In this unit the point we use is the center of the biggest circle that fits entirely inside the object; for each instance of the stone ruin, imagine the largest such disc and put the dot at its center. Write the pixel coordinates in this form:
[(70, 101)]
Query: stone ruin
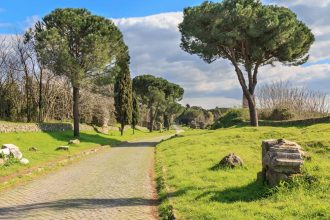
[(281, 159), (8, 151)]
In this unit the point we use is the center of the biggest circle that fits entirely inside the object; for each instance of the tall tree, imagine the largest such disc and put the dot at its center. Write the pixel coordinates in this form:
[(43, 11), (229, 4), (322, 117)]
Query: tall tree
[(173, 94), (135, 113), (37, 69), (248, 34), (79, 45), (123, 96)]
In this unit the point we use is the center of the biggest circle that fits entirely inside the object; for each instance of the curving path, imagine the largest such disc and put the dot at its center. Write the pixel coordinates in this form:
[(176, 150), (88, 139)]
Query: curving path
[(114, 184)]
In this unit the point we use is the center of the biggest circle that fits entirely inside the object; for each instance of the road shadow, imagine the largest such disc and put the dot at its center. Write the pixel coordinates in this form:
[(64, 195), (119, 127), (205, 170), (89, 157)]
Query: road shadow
[(137, 144), (20, 211)]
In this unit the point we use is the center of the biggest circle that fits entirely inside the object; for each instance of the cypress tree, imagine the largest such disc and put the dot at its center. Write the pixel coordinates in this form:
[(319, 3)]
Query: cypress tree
[(123, 95), (135, 113)]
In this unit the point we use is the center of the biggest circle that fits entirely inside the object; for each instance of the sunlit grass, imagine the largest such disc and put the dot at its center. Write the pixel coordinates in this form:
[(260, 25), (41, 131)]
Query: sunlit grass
[(198, 192)]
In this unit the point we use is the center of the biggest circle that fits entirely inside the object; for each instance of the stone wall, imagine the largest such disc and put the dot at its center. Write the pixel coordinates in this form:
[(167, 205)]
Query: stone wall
[(42, 127), (303, 122)]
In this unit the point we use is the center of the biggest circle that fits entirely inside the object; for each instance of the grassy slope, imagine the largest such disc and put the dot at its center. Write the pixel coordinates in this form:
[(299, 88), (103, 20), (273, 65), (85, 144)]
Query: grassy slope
[(47, 142), (198, 192)]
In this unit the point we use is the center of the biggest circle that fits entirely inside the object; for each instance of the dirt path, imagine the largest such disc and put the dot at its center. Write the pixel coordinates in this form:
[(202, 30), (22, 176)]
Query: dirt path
[(114, 184)]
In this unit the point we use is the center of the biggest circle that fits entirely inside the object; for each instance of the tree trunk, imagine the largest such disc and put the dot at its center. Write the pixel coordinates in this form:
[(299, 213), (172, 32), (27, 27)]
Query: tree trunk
[(245, 102), (28, 110), (76, 132), (253, 111), (151, 124), (167, 122), (122, 126), (41, 117)]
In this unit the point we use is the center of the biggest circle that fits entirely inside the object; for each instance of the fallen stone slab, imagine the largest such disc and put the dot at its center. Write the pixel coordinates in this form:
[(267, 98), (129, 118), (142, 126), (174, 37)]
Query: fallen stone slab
[(24, 161), (33, 149), (5, 152), (75, 141), (64, 148), (14, 150)]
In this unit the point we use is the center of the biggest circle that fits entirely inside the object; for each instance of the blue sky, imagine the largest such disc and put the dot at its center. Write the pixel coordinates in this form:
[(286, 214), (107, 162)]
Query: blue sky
[(15, 14), (150, 31)]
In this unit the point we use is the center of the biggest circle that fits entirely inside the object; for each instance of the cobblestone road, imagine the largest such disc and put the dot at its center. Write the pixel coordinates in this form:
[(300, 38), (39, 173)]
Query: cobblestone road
[(113, 184)]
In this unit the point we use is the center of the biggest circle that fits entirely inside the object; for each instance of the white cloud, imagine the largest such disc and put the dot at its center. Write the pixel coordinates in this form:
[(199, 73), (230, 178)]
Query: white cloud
[(30, 21), (319, 3)]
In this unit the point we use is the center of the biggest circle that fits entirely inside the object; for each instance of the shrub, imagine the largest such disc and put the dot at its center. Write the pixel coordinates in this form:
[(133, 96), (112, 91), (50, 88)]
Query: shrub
[(281, 114), (231, 118)]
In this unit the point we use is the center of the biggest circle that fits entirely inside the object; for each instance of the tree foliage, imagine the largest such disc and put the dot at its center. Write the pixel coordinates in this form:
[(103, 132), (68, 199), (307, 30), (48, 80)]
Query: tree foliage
[(157, 94), (135, 113), (79, 45), (123, 96), (248, 34)]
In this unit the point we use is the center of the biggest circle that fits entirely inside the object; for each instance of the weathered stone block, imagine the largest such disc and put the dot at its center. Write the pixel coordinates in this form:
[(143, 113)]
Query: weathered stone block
[(65, 148), (280, 160), (75, 141)]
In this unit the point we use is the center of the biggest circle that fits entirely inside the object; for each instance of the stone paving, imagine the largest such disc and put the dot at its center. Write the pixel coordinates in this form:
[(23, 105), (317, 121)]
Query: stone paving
[(114, 184)]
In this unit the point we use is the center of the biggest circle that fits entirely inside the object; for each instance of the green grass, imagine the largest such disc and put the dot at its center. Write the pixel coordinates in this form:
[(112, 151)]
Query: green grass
[(187, 181), (46, 143)]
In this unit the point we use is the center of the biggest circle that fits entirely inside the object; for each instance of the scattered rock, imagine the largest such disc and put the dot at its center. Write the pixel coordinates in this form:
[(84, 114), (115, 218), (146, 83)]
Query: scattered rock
[(65, 148), (5, 152), (24, 161), (34, 149), (14, 150), (75, 141), (281, 159), (231, 160)]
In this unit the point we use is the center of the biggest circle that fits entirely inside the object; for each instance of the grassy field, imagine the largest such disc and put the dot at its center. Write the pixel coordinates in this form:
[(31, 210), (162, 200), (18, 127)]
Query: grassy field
[(46, 144), (188, 184)]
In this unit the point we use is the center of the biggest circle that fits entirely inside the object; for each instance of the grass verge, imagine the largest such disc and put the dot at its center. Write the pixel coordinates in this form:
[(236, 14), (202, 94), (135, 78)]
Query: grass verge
[(190, 188)]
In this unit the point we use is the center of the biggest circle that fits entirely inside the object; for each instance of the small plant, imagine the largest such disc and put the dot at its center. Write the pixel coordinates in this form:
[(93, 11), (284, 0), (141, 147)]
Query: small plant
[(9, 160)]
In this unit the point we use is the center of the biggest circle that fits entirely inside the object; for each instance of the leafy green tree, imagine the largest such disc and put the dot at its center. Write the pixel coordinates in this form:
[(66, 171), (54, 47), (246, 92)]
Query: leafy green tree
[(123, 96), (173, 109), (79, 45), (157, 94), (135, 113), (248, 34)]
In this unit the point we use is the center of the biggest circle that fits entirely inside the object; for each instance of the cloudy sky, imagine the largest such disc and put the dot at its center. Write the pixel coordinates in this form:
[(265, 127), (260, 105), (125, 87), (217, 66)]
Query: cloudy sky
[(150, 30)]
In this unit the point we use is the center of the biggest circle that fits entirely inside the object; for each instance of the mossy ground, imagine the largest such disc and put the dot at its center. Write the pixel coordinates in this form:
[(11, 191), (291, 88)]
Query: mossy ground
[(196, 191)]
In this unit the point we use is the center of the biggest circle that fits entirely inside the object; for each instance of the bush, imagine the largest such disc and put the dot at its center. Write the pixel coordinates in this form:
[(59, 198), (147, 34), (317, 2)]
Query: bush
[(231, 118), (281, 114)]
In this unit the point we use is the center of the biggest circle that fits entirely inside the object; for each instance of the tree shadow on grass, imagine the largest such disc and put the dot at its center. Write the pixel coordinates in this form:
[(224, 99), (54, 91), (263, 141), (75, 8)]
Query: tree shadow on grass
[(252, 192), (20, 211), (98, 139)]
